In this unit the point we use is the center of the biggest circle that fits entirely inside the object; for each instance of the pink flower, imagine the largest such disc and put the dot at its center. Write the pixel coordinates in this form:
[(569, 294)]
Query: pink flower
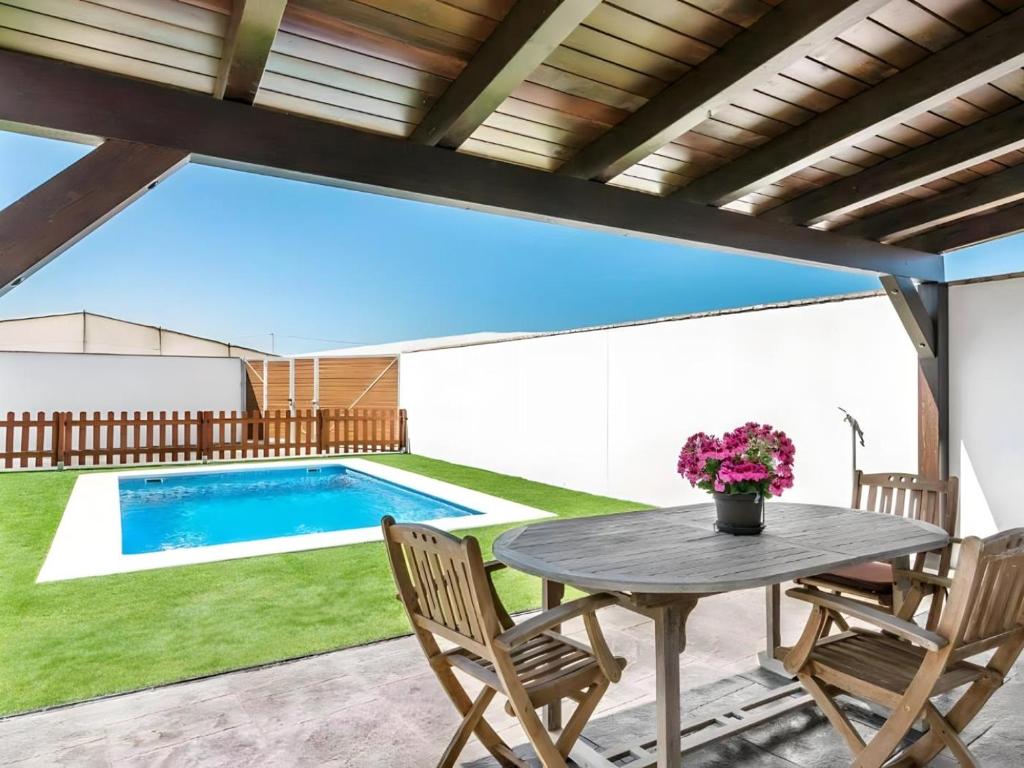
[(753, 458)]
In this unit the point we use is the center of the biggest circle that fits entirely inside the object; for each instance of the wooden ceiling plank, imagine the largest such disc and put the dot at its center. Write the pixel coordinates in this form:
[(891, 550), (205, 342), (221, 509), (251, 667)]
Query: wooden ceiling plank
[(984, 140), (57, 214), (783, 36), (251, 33), (967, 199), (530, 32), (964, 233), (57, 97), (986, 55)]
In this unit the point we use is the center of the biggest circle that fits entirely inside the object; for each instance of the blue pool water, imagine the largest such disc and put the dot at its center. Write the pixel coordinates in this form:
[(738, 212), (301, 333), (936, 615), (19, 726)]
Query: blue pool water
[(197, 510)]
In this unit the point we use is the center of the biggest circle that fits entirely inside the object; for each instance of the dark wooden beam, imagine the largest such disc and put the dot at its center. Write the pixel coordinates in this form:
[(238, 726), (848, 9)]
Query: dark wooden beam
[(900, 223), (984, 56), (978, 142), (60, 212), (251, 34), (783, 36), (923, 312), (971, 231), (521, 42), (933, 388), (53, 95), (910, 308)]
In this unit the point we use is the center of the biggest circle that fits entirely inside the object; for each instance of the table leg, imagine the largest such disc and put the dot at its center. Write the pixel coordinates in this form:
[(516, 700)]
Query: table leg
[(901, 584), (773, 631), (669, 643), (552, 593)]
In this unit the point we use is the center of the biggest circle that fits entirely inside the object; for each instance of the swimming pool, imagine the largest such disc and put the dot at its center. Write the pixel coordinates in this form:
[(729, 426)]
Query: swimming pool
[(204, 514), (198, 510)]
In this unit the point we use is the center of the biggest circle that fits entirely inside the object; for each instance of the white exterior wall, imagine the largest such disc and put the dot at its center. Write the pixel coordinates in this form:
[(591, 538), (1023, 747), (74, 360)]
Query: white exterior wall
[(39, 381), (607, 411), (986, 358)]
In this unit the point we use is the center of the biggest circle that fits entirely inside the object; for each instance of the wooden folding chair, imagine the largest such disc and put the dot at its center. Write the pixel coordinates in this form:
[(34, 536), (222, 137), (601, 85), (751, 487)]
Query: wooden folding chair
[(914, 497), (903, 666), (448, 592)]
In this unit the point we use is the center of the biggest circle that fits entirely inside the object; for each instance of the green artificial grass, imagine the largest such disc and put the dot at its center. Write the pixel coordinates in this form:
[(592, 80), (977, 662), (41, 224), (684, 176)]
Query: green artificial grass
[(71, 640)]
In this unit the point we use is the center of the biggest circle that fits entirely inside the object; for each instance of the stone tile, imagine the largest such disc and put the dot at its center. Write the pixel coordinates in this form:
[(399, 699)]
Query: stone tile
[(89, 754), (176, 726), (228, 748)]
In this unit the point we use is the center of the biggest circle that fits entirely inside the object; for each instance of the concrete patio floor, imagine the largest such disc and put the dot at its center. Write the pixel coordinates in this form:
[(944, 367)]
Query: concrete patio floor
[(379, 705)]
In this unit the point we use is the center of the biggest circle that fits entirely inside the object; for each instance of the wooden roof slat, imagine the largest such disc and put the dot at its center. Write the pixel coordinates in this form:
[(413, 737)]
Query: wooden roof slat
[(349, 99), (971, 231), (603, 71), (882, 43), (15, 40), (322, 75), (968, 15), (527, 36), (250, 36), (404, 30), (184, 15), (333, 31), (121, 22), (989, 138), (596, 43), (85, 102), (984, 56), (584, 88), (640, 31), (357, 62), (74, 31), (899, 223), (595, 112), (683, 17), (853, 62), (780, 38), (286, 102), (913, 22), (439, 15)]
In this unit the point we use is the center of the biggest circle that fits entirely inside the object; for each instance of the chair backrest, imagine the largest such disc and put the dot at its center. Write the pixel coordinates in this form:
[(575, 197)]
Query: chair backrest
[(442, 583), (986, 602), (911, 496)]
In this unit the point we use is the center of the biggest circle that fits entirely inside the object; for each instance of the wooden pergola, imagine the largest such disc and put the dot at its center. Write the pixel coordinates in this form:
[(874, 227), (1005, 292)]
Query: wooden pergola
[(872, 135)]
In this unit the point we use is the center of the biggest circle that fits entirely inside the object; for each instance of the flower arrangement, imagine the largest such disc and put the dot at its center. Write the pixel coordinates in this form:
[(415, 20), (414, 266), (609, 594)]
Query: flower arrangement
[(752, 459)]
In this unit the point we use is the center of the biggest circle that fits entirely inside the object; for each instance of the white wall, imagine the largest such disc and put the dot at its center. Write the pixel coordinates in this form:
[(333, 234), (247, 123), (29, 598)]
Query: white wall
[(39, 381), (986, 407), (606, 411)]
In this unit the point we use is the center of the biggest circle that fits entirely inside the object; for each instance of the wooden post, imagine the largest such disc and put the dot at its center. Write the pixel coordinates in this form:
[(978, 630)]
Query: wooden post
[(203, 423), (403, 434), (933, 389), (321, 436), (57, 440), (923, 311)]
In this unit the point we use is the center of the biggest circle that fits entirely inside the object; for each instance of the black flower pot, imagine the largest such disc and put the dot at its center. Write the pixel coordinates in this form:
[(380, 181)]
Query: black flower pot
[(741, 514)]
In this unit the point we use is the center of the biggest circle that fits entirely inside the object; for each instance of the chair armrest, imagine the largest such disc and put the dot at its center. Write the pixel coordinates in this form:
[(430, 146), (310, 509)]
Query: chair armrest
[(924, 578), (493, 565), (905, 629), (543, 622)]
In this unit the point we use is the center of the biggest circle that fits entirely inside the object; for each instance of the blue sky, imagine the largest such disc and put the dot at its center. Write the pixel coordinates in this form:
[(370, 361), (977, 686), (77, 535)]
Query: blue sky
[(236, 256)]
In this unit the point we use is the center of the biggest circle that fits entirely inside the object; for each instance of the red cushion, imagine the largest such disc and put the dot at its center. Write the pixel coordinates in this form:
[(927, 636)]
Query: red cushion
[(869, 577)]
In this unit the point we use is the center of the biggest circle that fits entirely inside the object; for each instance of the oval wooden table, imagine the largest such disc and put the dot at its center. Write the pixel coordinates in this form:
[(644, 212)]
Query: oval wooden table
[(660, 562)]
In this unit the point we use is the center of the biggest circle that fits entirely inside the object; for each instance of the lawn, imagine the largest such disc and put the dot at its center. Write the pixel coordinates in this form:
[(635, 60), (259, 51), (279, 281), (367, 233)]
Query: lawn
[(72, 640)]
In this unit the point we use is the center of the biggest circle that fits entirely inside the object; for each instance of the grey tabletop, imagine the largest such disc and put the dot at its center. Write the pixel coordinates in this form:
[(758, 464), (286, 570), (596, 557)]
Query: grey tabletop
[(677, 551)]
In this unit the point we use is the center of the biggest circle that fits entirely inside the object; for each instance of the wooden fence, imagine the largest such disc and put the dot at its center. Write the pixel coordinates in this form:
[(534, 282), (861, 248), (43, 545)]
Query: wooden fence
[(64, 439)]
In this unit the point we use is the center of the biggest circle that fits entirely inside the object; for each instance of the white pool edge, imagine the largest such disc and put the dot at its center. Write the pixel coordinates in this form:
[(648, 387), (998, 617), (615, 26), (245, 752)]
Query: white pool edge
[(88, 538)]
